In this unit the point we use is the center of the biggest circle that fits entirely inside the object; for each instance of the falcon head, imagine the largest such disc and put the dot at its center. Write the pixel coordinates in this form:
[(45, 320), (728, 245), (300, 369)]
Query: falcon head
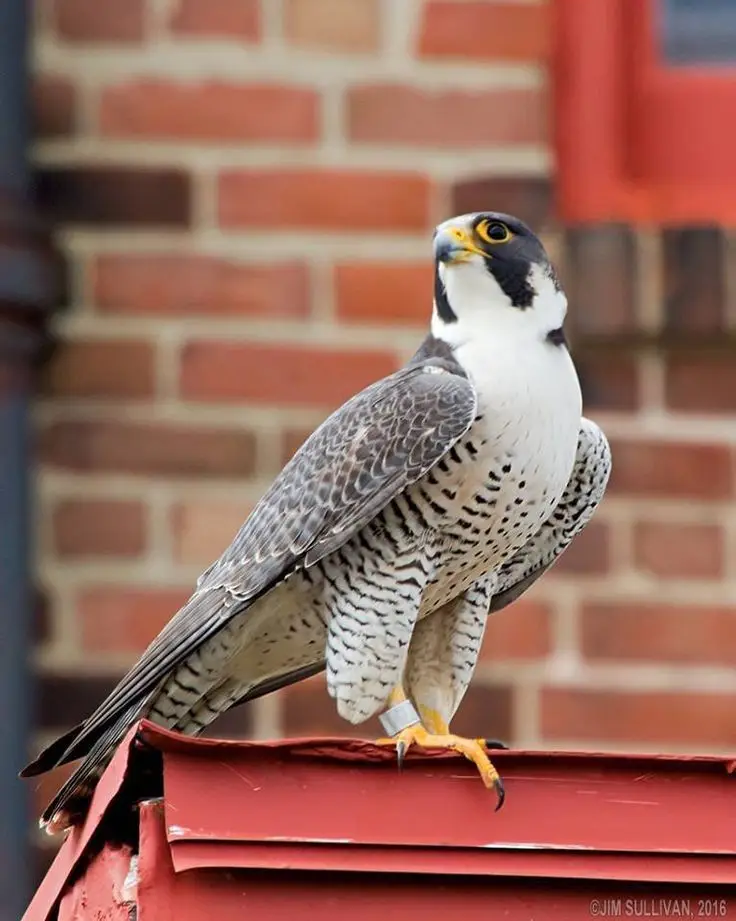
[(492, 271)]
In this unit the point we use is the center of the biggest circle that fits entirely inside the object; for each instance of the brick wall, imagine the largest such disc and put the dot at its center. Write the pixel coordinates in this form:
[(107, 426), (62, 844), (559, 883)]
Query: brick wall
[(245, 192)]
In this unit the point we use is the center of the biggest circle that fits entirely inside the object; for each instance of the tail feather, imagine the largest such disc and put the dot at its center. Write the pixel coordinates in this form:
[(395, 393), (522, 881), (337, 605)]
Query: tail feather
[(53, 755), (72, 799)]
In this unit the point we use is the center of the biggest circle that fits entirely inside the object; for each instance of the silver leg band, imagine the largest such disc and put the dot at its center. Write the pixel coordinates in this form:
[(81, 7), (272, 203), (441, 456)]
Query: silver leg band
[(400, 716)]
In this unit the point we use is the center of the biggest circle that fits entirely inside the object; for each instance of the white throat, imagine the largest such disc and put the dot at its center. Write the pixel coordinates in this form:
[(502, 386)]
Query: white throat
[(484, 312), (505, 349)]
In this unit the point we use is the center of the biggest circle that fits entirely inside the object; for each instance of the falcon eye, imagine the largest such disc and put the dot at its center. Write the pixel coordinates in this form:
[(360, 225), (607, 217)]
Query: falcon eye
[(493, 232)]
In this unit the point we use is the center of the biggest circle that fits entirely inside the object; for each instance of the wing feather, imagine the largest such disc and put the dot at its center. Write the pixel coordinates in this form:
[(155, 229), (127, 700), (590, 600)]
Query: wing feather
[(581, 498), (374, 446)]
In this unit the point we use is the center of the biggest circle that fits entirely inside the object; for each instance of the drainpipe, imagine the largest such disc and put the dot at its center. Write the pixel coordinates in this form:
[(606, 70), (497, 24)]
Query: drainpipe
[(29, 292)]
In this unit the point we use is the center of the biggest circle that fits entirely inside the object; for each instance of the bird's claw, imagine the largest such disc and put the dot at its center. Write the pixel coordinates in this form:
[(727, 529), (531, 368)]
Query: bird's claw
[(401, 750), (473, 749)]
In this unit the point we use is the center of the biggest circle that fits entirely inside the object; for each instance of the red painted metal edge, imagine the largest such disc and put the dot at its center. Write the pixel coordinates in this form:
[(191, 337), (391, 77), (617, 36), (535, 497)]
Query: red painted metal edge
[(45, 900), (338, 806), (436, 862), (158, 893)]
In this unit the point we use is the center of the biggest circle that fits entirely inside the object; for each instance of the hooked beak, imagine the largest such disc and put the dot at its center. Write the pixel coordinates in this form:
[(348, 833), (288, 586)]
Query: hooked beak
[(454, 244)]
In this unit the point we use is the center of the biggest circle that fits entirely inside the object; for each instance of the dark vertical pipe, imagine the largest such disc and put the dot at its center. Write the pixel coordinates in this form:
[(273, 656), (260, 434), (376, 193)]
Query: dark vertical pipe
[(15, 685), (28, 293)]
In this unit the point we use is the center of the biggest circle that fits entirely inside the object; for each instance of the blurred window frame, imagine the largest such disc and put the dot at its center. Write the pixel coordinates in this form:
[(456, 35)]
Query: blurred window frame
[(641, 137)]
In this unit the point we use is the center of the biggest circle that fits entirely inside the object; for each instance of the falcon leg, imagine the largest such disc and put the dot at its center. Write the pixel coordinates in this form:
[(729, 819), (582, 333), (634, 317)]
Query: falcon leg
[(437, 735), (442, 654)]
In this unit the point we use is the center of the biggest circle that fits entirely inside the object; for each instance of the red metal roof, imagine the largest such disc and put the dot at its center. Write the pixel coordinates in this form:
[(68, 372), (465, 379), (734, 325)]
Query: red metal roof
[(257, 825)]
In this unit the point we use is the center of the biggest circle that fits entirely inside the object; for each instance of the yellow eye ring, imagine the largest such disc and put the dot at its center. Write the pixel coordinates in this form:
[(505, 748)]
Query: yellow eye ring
[(493, 232)]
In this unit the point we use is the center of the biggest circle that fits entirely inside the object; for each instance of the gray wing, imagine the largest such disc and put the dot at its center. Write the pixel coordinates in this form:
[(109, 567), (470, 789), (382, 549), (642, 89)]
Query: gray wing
[(579, 501), (379, 442)]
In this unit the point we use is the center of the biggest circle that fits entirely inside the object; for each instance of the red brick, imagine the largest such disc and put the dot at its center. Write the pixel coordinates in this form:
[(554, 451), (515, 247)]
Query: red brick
[(211, 111), (701, 383), (324, 200), (116, 619), (486, 31), (99, 528), (99, 20), (678, 550), (160, 449), (174, 285), (309, 376), (670, 468), (609, 381), (292, 440), (108, 195), (118, 369), (646, 631), (589, 553), (333, 25), (236, 19), (202, 529), (446, 118), (308, 710), (521, 631), (384, 292), (667, 719), (53, 106)]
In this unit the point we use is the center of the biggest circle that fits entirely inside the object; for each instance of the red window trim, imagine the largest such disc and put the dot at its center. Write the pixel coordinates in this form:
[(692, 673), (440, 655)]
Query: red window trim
[(599, 47)]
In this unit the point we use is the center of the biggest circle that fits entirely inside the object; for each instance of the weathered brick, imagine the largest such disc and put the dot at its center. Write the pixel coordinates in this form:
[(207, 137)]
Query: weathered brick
[(115, 195), (600, 279), (114, 369), (521, 631), (230, 19), (332, 25), (210, 111), (62, 700), (679, 470), (202, 529), (308, 710), (396, 114), (323, 199), (161, 449), (694, 278), (668, 719), (702, 382), (53, 106), (99, 528), (292, 440), (297, 376), (485, 31), (679, 550), (118, 619), (487, 712), (99, 20), (384, 292), (528, 198), (589, 553), (194, 284), (647, 631), (609, 380)]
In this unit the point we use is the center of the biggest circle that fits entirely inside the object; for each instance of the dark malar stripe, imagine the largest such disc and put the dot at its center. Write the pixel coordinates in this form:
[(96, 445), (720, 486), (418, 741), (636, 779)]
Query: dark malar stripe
[(445, 312)]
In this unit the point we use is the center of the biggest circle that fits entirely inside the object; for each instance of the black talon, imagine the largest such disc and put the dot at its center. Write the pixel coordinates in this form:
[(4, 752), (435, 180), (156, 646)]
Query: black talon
[(400, 753), (495, 743), (500, 793)]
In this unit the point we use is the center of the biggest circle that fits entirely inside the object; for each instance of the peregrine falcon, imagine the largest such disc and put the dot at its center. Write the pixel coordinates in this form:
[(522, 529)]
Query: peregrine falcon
[(430, 499)]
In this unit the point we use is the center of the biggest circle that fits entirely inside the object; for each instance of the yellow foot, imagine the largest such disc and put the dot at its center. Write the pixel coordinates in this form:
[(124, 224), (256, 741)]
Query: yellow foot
[(473, 749)]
